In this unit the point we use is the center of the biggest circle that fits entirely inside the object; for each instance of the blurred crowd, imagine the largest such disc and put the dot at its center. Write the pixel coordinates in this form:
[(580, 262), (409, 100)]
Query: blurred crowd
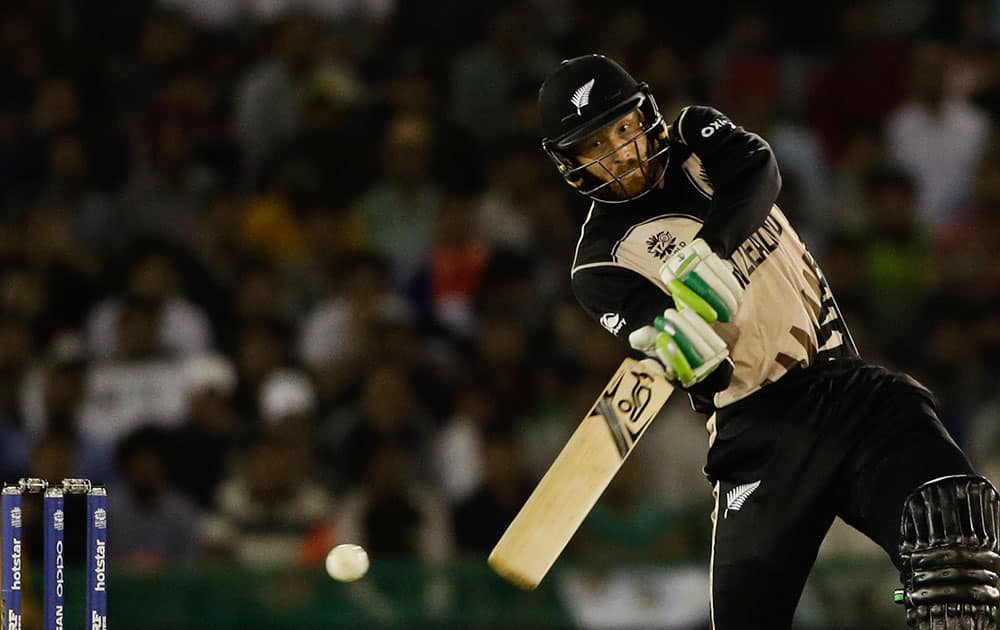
[(284, 273)]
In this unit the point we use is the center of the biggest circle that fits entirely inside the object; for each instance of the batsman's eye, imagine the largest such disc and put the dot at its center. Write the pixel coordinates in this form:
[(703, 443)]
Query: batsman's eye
[(624, 128)]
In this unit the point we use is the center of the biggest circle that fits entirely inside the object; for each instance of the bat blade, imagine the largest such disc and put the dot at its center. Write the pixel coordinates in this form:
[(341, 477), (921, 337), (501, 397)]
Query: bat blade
[(578, 476)]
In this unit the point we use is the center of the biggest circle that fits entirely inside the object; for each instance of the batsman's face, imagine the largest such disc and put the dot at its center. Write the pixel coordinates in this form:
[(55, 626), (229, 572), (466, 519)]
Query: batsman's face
[(616, 153)]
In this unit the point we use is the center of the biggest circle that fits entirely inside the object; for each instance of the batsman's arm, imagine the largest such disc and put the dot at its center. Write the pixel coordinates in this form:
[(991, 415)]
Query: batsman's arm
[(741, 168), (619, 299), (624, 302)]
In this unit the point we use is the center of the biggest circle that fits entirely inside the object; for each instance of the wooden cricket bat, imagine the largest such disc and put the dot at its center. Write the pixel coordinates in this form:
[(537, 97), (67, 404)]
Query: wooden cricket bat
[(579, 475)]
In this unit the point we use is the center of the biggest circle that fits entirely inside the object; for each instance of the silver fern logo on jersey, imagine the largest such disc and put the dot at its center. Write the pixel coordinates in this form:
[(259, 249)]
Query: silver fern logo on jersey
[(581, 98), (736, 497), (613, 322)]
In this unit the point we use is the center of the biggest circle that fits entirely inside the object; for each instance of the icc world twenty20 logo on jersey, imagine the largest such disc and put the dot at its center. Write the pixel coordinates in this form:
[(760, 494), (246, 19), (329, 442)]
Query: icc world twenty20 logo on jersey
[(663, 244)]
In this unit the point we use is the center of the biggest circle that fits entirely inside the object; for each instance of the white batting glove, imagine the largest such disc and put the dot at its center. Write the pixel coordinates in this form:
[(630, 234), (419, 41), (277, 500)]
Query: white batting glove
[(701, 281), (687, 347)]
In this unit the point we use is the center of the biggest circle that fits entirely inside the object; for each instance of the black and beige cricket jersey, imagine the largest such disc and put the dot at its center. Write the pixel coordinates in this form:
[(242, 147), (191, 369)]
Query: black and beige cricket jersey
[(720, 184)]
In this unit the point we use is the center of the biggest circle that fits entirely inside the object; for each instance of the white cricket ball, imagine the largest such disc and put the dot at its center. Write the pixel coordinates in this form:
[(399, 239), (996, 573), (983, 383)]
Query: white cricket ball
[(347, 563)]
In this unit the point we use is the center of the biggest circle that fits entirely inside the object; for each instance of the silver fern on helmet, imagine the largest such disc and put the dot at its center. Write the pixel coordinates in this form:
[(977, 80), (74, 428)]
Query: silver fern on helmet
[(582, 96)]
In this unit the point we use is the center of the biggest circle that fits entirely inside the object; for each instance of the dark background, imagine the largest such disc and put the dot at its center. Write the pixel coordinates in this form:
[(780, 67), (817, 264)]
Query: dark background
[(286, 273)]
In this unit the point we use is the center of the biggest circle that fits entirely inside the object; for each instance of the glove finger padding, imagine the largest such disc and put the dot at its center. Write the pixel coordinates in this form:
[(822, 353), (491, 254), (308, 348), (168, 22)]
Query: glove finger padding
[(673, 356), (644, 340), (698, 279), (709, 343), (686, 343), (721, 289), (689, 346), (710, 346)]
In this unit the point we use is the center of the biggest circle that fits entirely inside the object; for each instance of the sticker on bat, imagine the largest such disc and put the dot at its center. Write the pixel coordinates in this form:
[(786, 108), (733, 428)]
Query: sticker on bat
[(625, 414)]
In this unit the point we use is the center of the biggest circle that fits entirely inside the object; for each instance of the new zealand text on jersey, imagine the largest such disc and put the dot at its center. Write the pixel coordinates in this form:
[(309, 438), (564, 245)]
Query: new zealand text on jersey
[(755, 250)]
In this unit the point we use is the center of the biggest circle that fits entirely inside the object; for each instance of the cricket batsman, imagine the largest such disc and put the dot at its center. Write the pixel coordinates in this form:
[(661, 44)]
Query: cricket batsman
[(685, 256)]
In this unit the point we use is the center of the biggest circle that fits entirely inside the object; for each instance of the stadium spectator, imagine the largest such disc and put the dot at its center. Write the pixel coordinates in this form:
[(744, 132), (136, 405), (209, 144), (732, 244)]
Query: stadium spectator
[(182, 327), (267, 509), (399, 211), (203, 447), (481, 517), (151, 523), (937, 137)]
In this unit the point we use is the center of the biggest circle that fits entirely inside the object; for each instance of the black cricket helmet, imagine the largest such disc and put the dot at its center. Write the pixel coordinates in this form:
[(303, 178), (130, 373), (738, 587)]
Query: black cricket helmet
[(585, 94)]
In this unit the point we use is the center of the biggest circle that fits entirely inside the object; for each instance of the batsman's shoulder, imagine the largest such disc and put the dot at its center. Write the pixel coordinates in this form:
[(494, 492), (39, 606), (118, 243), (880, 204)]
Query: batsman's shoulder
[(598, 235), (696, 123)]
